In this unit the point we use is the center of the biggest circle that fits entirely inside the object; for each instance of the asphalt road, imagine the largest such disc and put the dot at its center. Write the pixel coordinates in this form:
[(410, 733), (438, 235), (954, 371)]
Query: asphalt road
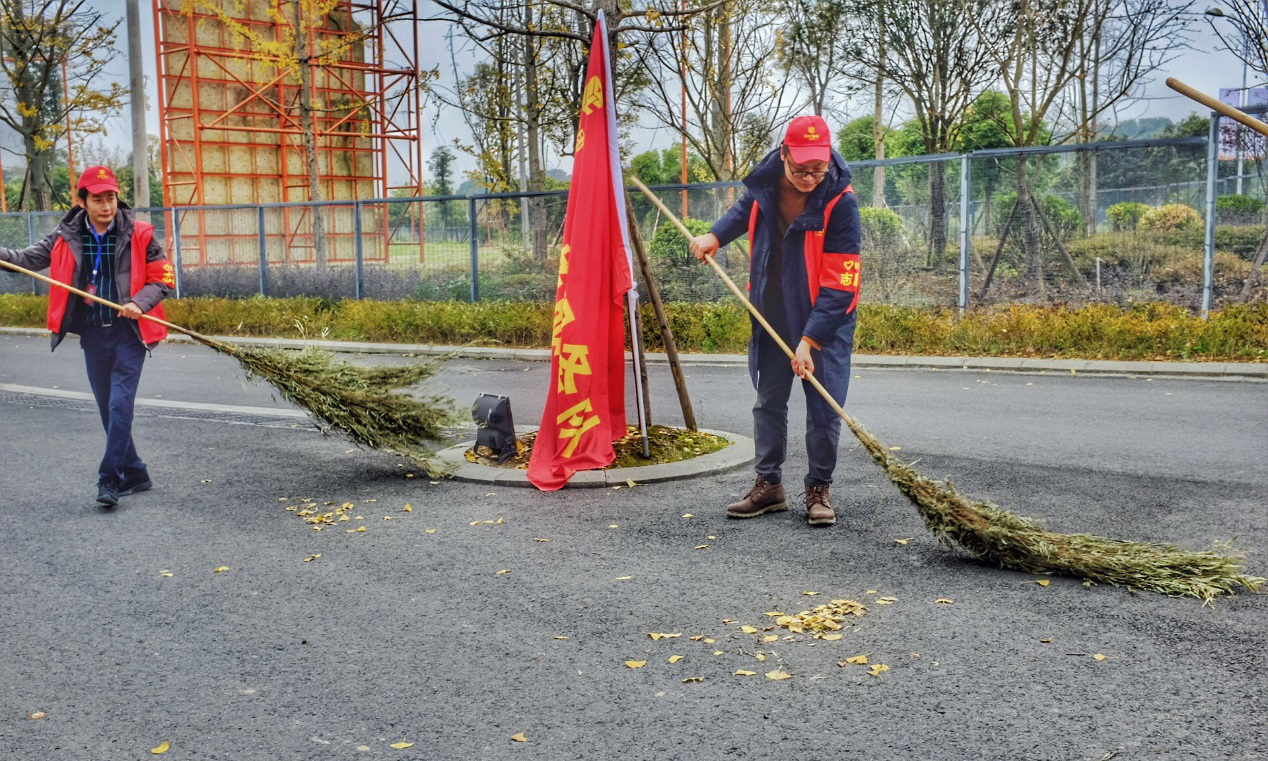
[(409, 632)]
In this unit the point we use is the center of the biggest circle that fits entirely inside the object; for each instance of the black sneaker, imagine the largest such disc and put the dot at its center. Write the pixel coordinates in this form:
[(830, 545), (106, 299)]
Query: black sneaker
[(135, 483), (108, 492)]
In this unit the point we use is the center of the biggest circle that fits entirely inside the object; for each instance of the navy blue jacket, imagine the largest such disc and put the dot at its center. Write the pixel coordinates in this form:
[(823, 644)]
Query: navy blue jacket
[(827, 317)]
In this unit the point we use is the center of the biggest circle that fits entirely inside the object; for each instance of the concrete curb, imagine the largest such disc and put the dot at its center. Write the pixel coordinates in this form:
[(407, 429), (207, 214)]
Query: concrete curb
[(1237, 371), (737, 455)]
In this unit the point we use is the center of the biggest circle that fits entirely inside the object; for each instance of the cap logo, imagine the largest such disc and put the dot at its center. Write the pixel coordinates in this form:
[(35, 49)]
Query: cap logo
[(810, 134), (101, 174)]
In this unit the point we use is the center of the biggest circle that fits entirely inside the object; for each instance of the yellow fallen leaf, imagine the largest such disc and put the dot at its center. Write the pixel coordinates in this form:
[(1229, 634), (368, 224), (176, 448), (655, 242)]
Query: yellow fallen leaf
[(709, 641), (430, 530), (165, 574), (360, 529), (711, 537), (945, 601), (1043, 582), (877, 669), (616, 488), (162, 748), (688, 515), (886, 600), (808, 593), (387, 517), (624, 578), (1099, 657), (778, 675), (773, 613), (311, 558), (895, 449), (221, 569), (630, 483), (675, 658), (519, 738), (902, 541), (745, 672), (832, 637), (697, 637), (717, 652), (561, 637), (770, 638), (761, 657), (1047, 641), (636, 664), (701, 547), (613, 525), (474, 523), (858, 660), (539, 539), (401, 745), (692, 679), (748, 629), (503, 572), (408, 508)]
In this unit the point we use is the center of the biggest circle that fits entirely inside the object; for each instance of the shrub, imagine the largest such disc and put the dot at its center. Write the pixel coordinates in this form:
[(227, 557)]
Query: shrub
[(1238, 210), (1125, 216), (881, 227), (668, 244), (1172, 216), (1141, 331)]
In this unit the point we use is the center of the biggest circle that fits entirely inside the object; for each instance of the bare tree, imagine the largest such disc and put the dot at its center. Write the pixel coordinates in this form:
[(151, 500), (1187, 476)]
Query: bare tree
[(1048, 56), (938, 59), (735, 100), (1249, 38), (39, 39), (545, 43)]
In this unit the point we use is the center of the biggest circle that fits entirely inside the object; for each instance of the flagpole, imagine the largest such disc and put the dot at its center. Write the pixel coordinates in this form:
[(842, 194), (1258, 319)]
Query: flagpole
[(640, 376)]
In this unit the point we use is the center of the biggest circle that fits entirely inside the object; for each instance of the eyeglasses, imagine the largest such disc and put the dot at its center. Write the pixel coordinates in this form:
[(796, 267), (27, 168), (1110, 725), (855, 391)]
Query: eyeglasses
[(803, 175)]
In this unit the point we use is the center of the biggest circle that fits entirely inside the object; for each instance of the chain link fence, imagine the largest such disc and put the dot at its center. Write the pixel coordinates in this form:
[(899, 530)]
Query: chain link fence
[(1107, 222)]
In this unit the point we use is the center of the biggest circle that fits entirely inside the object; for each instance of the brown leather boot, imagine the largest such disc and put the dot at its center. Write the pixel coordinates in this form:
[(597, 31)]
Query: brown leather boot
[(764, 497), (819, 510)]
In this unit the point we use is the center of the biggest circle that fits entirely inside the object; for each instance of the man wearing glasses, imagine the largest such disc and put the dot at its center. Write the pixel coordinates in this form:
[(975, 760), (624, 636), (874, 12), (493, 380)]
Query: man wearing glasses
[(802, 220)]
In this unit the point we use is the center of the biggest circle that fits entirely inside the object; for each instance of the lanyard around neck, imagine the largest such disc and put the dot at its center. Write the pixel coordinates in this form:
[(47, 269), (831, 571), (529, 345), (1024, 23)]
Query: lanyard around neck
[(100, 240)]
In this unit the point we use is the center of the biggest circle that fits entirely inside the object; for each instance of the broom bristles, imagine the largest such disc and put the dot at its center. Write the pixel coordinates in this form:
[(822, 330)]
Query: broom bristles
[(988, 532), (355, 401)]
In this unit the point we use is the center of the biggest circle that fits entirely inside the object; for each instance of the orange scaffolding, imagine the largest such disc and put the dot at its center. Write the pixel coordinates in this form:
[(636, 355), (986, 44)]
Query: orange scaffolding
[(231, 135)]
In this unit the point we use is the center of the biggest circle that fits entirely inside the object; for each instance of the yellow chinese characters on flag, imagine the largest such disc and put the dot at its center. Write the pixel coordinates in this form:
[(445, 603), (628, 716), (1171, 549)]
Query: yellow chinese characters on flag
[(585, 403)]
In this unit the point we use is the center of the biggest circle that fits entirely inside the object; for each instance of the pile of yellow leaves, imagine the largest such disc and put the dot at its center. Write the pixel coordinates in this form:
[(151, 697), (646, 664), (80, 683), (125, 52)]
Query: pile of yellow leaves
[(821, 621)]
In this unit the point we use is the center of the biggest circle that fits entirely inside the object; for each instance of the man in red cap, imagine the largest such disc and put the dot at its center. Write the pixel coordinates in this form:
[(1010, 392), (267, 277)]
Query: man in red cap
[(100, 248), (802, 220)]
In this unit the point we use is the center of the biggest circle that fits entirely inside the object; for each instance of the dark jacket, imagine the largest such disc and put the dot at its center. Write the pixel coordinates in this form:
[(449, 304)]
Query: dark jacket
[(71, 229), (827, 317)]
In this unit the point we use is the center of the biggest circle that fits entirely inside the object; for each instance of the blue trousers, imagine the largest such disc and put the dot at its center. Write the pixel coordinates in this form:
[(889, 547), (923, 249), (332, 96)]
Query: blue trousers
[(770, 420), (114, 355)]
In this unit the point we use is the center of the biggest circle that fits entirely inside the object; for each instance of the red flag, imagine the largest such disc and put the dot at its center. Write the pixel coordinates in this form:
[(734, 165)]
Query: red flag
[(585, 408)]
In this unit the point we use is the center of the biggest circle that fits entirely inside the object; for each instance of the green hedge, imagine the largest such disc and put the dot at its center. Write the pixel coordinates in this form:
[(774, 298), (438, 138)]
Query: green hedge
[(1144, 331)]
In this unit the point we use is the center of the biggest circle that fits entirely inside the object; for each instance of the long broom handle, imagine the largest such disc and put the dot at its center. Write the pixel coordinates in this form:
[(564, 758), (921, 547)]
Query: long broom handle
[(1215, 105), (93, 297), (849, 421)]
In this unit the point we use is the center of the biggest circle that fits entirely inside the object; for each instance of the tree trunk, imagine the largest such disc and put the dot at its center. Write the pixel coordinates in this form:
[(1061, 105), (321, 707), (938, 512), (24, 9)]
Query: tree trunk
[(878, 134), (1031, 243), (306, 99), (36, 193), (937, 213), (532, 116)]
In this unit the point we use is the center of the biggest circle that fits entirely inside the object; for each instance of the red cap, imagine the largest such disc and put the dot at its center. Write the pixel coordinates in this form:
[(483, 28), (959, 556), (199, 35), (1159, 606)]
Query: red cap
[(808, 139), (98, 179)]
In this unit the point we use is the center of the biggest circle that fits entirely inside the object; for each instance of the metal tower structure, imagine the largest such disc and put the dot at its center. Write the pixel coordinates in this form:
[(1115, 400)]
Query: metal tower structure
[(232, 131)]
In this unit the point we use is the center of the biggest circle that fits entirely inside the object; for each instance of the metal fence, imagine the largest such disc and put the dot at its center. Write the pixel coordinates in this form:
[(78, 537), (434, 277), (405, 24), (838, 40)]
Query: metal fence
[(1112, 222)]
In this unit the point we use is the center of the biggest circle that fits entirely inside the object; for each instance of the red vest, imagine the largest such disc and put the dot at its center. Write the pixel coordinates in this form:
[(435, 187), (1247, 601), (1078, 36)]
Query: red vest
[(839, 271), (62, 269)]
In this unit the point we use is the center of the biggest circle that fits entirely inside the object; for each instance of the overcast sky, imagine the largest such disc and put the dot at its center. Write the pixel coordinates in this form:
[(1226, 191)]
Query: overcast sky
[(1205, 67)]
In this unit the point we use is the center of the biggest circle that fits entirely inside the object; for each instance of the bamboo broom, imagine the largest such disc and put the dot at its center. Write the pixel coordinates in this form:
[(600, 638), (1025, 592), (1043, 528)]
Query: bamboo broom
[(992, 534), (355, 401)]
